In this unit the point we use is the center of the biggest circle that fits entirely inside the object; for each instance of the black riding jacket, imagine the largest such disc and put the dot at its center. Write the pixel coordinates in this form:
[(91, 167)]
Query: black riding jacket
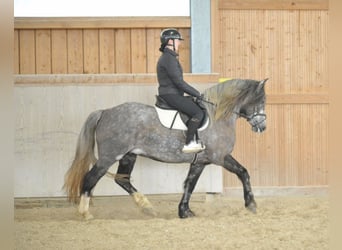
[(170, 76)]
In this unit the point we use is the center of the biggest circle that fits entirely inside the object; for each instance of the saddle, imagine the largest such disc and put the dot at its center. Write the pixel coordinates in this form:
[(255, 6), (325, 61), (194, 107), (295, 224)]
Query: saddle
[(173, 119)]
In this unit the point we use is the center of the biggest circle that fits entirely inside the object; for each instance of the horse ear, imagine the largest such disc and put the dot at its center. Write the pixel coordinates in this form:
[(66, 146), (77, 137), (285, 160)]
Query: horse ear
[(261, 84)]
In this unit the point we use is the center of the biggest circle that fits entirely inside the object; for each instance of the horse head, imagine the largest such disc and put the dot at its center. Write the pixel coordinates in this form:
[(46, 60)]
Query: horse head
[(253, 109)]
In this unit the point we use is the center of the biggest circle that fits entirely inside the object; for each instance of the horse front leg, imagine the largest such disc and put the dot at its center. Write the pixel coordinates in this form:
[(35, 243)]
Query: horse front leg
[(235, 167), (189, 184)]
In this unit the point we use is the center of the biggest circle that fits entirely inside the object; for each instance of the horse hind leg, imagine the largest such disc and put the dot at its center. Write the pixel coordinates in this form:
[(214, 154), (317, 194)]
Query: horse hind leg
[(123, 174), (89, 181), (122, 178), (83, 207)]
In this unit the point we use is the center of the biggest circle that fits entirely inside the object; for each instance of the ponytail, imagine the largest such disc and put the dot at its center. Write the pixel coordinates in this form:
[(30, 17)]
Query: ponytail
[(162, 47)]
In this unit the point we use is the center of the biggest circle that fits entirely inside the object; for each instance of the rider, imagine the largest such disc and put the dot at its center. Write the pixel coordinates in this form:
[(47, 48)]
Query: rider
[(172, 87)]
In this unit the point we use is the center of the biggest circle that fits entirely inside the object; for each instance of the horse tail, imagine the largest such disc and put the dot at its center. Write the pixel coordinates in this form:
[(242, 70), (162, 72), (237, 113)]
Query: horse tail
[(84, 156)]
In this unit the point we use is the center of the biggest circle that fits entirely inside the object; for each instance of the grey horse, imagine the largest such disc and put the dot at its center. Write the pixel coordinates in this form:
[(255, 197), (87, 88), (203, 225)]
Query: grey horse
[(131, 129)]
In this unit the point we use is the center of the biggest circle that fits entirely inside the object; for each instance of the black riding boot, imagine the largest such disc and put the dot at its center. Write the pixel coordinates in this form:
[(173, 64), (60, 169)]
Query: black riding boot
[(193, 125), (191, 145)]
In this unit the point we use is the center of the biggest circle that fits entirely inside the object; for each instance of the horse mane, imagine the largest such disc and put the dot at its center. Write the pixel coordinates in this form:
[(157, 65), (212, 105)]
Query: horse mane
[(226, 95)]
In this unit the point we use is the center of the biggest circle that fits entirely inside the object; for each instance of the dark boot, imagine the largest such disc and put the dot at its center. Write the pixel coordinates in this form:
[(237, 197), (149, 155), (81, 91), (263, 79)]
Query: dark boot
[(191, 144)]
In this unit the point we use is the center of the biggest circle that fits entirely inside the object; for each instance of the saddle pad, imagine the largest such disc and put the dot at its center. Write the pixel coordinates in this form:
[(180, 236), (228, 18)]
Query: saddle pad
[(166, 117)]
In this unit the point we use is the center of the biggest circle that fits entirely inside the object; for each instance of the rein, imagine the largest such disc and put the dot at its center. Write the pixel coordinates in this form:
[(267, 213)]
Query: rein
[(203, 100)]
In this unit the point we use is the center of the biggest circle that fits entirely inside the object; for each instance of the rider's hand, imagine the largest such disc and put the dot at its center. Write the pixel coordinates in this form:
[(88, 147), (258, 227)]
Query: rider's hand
[(199, 98)]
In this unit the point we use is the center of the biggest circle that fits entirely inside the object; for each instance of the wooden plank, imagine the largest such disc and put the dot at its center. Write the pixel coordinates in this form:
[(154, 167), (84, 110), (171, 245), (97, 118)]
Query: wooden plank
[(103, 22), (274, 4), (320, 144), (75, 51), (91, 51), (289, 47), (215, 35), (107, 52), (138, 51), (43, 51), (16, 47), (201, 78), (298, 98), (123, 51), (184, 50), (313, 50), (59, 51), (27, 53), (152, 45)]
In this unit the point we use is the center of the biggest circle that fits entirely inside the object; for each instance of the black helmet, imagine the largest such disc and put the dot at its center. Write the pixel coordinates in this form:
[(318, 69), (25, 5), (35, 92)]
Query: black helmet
[(168, 34)]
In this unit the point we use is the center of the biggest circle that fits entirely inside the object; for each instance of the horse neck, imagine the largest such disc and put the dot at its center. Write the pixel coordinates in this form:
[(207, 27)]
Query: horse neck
[(230, 120), (226, 123)]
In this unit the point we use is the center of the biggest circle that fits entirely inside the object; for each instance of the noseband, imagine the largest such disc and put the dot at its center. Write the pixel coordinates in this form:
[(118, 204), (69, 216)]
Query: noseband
[(251, 118)]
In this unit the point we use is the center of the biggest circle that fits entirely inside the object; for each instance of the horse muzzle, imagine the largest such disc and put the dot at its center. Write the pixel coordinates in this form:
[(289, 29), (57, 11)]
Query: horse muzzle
[(258, 122)]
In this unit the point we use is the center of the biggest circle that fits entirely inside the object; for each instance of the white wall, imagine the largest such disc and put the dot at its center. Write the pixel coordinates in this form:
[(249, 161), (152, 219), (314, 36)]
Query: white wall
[(48, 120)]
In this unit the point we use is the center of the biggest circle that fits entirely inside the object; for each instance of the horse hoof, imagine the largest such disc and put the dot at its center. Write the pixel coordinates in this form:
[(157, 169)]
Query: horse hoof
[(87, 216), (186, 214), (252, 207)]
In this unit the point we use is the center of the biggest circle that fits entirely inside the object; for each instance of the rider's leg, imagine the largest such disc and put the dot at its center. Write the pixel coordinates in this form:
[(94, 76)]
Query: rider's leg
[(187, 106), (193, 125), (191, 143)]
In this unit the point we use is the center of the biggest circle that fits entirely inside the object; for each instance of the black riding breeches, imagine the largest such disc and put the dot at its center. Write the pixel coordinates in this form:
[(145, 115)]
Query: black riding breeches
[(187, 106)]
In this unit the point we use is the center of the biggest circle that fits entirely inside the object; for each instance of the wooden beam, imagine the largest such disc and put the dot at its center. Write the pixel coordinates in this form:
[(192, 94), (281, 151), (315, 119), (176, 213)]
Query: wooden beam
[(201, 78), (151, 79), (215, 35), (93, 79), (274, 4), (297, 99), (96, 22)]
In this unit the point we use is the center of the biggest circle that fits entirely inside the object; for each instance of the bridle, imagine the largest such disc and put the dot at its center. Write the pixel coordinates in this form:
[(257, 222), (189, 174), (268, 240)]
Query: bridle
[(252, 118)]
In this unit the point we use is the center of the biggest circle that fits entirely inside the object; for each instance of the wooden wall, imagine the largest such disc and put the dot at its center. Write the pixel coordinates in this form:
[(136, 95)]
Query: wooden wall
[(286, 41), (93, 45)]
